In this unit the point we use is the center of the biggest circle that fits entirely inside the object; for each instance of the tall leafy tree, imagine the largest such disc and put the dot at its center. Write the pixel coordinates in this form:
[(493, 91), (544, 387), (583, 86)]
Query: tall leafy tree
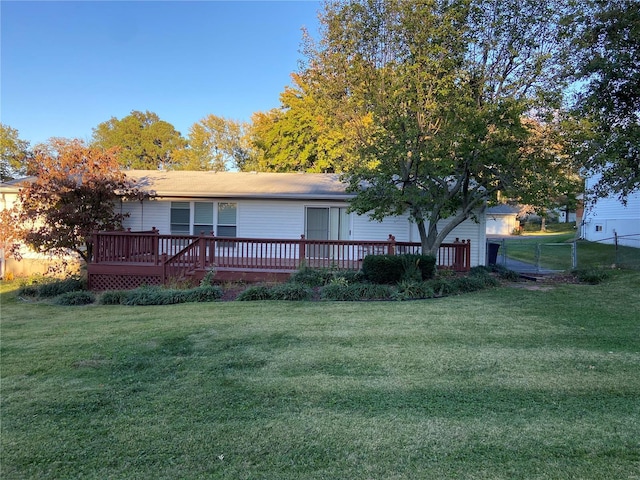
[(13, 153), (72, 195), (216, 143), (298, 136), (145, 141), (606, 115), (437, 93)]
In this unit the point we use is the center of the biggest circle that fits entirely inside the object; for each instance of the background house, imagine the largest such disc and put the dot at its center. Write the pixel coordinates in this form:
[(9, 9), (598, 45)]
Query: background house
[(607, 218), (502, 219), (30, 262), (268, 205)]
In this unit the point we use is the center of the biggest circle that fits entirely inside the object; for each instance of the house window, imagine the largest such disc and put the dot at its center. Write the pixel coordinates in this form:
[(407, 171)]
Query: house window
[(202, 218), (598, 228), (180, 218), (227, 214)]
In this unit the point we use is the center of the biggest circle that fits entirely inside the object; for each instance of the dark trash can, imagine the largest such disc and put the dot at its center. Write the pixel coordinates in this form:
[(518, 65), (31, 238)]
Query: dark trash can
[(493, 253)]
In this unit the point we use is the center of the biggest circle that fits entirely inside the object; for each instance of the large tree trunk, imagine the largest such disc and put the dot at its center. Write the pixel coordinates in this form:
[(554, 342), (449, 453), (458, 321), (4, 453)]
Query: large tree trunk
[(430, 238)]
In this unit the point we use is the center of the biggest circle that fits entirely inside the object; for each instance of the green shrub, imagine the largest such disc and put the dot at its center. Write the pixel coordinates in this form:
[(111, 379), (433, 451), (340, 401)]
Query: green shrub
[(53, 288), (113, 297), (291, 291), (75, 298), (347, 276), (480, 270), (313, 277), (443, 286), (317, 277), (151, 295), (340, 292), (414, 290), (255, 293), (28, 291), (417, 267), (382, 269), (592, 276), (390, 269), (469, 284), (204, 293), (207, 280), (477, 279), (506, 274), (157, 295), (357, 291)]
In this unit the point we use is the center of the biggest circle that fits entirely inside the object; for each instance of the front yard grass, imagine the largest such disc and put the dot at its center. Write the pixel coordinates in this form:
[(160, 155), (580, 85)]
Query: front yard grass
[(504, 383)]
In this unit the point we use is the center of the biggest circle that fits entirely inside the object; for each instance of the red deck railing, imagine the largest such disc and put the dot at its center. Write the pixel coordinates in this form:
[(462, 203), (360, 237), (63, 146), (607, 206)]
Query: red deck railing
[(174, 256)]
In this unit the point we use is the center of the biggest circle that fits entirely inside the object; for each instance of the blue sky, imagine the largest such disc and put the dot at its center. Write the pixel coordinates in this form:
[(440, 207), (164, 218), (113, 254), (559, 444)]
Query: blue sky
[(68, 66)]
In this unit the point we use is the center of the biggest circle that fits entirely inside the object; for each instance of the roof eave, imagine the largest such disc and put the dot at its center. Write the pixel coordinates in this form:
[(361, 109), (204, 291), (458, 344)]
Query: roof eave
[(249, 196)]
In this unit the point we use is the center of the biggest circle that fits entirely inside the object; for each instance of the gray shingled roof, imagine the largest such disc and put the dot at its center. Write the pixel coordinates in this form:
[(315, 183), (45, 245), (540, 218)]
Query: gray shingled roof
[(502, 209), (241, 184)]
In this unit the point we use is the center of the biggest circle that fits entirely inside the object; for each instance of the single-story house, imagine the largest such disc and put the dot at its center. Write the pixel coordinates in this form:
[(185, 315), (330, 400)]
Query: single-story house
[(261, 206), (608, 219), (502, 219), (268, 205)]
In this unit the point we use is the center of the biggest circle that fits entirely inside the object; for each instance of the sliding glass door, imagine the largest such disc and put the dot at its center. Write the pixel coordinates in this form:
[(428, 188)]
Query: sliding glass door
[(326, 223)]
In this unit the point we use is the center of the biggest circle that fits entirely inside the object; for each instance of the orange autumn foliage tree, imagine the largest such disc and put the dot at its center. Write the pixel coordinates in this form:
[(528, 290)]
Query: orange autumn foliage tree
[(73, 194)]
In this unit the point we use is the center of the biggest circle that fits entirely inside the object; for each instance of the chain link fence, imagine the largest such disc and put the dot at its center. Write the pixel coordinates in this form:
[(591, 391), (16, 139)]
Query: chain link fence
[(533, 254)]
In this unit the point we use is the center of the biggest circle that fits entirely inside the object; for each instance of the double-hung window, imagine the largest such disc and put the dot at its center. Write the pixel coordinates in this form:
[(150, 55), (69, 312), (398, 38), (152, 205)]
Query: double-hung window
[(227, 215), (202, 218), (180, 218)]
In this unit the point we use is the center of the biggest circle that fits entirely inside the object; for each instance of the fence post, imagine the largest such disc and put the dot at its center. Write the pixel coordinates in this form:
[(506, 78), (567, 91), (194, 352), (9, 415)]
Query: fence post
[(392, 245), (574, 255), (302, 251)]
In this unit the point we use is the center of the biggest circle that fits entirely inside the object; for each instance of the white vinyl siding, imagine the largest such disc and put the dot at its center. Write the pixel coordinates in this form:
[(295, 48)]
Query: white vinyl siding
[(271, 219), (367, 229), (143, 216), (608, 217)]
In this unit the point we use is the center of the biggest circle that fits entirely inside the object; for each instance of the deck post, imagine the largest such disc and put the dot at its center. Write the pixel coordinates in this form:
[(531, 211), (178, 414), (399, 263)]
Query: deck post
[(165, 257), (126, 246), (156, 245), (392, 245), (95, 258), (302, 253), (202, 251), (462, 255), (212, 249), (467, 256)]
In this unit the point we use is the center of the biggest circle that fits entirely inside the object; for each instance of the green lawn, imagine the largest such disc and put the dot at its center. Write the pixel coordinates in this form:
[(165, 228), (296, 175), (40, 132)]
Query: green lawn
[(508, 383)]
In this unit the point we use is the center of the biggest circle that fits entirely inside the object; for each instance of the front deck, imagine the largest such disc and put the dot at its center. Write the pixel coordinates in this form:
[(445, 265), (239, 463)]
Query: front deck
[(124, 260)]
